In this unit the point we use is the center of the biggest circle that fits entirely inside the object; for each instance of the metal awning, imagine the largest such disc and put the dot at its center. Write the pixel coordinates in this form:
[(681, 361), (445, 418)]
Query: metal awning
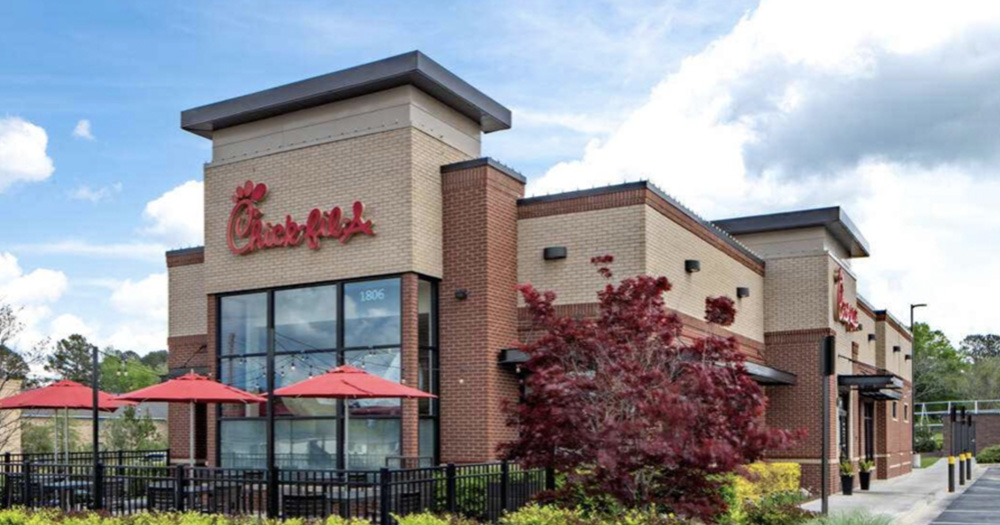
[(881, 395), (762, 374), (871, 382), (766, 375)]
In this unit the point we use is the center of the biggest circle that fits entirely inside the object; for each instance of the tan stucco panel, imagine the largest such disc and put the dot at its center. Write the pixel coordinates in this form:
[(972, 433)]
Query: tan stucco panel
[(188, 307), (615, 231), (395, 173), (669, 244)]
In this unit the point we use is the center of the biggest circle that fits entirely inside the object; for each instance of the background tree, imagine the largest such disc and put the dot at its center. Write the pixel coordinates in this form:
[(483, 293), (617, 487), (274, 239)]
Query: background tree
[(982, 380), (980, 346), (624, 408), (938, 367), (157, 361), (124, 372), (72, 359), (131, 431), (15, 368)]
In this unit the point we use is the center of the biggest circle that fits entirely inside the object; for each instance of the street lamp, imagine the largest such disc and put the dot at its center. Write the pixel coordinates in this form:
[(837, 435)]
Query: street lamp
[(913, 405)]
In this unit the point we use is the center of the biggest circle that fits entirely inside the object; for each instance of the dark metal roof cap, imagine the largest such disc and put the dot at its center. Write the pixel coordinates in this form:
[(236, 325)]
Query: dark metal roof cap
[(833, 219), (413, 68)]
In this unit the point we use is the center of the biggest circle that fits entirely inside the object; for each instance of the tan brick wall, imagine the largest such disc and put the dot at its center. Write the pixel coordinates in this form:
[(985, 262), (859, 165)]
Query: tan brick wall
[(797, 291), (390, 172), (895, 362), (10, 431), (616, 231), (186, 311), (668, 245)]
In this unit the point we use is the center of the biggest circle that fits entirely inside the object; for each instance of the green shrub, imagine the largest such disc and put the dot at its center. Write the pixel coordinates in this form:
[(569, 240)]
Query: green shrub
[(925, 440), (543, 515), (860, 517), (426, 518), (989, 455)]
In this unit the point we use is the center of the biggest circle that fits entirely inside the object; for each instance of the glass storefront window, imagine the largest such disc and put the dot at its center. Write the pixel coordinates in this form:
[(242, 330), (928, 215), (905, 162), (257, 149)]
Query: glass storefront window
[(305, 319), (428, 440), (242, 446), (372, 313), (306, 444), (371, 441), (384, 363), (245, 373), (243, 324), (425, 301)]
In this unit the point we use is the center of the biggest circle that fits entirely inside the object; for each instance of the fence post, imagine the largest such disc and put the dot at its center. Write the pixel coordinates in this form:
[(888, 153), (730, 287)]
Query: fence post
[(179, 486), (121, 458), (26, 489), (550, 478), (99, 486), (272, 492), (6, 481), (504, 484), (383, 498), (451, 488)]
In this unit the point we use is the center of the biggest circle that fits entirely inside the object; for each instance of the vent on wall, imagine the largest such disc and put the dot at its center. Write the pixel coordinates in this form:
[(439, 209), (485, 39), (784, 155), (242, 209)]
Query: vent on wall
[(553, 253)]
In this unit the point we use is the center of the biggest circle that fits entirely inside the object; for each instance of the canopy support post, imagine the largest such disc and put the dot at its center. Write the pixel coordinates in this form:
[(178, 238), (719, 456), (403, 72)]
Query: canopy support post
[(191, 459)]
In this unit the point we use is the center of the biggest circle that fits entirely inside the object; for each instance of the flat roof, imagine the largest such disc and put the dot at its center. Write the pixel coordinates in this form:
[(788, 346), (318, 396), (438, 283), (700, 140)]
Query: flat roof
[(413, 68), (833, 219)]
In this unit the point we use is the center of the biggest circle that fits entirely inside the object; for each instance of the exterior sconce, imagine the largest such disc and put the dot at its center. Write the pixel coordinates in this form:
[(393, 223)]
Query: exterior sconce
[(461, 294), (692, 266), (553, 253), (860, 326), (871, 337), (742, 291), (896, 349), (908, 357)]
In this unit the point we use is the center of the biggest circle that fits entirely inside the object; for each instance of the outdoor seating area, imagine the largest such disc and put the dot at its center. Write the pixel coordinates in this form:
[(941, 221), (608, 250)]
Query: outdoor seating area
[(130, 482)]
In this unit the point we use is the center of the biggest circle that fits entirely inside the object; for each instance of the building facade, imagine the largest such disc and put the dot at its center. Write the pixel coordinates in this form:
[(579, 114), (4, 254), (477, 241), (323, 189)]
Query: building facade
[(351, 219)]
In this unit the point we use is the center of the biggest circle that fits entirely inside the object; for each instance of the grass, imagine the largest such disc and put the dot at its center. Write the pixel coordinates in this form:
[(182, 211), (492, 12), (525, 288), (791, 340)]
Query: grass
[(926, 461)]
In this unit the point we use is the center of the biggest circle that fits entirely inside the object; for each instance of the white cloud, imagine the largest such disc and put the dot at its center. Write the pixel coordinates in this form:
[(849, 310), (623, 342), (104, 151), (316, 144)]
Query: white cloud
[(82, 130), (23, 156), (808, 103), (178, 215), (146, 298), (66, 325), (38, 287), (86, 193)]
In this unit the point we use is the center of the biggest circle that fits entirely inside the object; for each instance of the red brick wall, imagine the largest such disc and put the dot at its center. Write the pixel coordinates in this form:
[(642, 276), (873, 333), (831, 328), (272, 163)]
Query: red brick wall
[(798, 406), (410, 362), (480, 256), (184, 352), (987, 432), (213, 367)]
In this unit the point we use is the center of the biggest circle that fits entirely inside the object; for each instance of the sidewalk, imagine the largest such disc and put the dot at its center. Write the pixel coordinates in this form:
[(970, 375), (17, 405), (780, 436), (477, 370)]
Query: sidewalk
[(913, 499)]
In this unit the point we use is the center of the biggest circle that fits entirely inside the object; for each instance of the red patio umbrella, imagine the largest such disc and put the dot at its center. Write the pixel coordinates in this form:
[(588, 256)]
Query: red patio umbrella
[(192, 388), (65, 395), (348, 382)]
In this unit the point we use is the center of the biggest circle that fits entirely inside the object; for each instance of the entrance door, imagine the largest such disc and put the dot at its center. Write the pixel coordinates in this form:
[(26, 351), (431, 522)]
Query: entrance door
[(869, 425)]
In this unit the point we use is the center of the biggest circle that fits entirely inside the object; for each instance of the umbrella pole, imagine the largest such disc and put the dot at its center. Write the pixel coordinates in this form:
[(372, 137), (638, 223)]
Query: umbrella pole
[(55, 435), (347, 430), (191, 434), (66, 434)]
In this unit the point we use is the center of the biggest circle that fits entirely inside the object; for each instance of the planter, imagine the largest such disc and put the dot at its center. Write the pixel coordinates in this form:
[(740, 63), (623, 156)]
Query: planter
[(866, 479), (847, 485)]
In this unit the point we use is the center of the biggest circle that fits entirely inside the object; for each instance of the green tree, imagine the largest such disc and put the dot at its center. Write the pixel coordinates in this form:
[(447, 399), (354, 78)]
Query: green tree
[(130, 431), (157, 360), (938, 367), (980, 346), (124, 372), (12, 365), (72, 359), (982, 380)]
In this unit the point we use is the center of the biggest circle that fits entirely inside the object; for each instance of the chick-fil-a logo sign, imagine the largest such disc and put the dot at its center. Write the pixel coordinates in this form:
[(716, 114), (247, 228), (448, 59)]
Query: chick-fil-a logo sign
[(246, 232), (846, 313)]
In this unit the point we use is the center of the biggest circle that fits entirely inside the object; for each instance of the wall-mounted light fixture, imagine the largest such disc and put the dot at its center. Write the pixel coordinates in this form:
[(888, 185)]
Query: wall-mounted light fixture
[(908, 357), (871, 337), (553, 253), (860, 327), (896, 349), (742, 291), (692, 266), (461, 294)]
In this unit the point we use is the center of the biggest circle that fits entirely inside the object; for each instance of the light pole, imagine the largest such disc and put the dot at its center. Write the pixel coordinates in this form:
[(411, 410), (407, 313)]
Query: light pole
[(913, 404)]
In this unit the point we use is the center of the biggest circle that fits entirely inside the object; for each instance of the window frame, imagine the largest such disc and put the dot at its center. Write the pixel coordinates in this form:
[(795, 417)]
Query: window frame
[(338, 350)]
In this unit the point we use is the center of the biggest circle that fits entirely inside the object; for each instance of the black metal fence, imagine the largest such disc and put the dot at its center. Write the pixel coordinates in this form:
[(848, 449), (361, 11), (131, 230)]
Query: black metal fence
[(108, 457), (480, 491)]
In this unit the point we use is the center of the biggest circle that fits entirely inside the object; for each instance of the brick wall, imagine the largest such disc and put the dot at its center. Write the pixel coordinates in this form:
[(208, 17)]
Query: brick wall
[(186, 289), (409, 355), (480, 256), (188, 351)]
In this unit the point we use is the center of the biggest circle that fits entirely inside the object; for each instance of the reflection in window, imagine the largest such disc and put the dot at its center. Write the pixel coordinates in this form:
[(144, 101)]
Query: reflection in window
[(245, 373), (306, 444), (428, 440), (305, 318), (425, 298), (244, 324), (382, 363), (242, 445), (371, 313), (371, 441)]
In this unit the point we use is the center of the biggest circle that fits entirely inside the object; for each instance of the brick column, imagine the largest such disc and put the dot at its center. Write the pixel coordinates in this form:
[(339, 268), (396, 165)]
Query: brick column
[(480, 258), (410, 356), (183, 352), (213, 367), (798, 406)]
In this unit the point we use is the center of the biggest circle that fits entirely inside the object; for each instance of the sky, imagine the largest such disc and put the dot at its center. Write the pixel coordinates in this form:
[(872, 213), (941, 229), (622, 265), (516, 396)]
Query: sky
[(889, 109)]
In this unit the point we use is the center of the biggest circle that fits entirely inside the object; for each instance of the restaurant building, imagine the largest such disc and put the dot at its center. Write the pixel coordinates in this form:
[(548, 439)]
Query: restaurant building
[(352, 219)]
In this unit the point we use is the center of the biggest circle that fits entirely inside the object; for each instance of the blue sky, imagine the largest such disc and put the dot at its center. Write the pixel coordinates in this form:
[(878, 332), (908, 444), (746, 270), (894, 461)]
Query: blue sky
[(730, 105)]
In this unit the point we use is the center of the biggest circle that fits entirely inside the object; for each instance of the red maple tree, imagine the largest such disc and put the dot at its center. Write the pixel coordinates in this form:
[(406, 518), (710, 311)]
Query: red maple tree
[(624, 408)]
